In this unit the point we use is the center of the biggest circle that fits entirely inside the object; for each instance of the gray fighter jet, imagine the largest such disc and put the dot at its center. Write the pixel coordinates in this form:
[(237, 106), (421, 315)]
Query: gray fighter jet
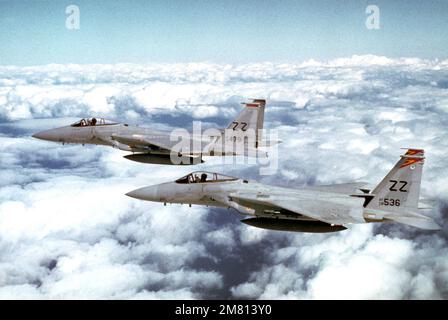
[(324, 208), (159, 147)]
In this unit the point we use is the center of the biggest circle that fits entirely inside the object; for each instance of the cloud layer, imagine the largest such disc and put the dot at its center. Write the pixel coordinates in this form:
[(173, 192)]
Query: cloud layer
[(68, 231)]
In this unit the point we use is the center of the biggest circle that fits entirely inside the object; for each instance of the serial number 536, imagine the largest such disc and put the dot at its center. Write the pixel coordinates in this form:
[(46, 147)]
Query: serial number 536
[(390, 202)]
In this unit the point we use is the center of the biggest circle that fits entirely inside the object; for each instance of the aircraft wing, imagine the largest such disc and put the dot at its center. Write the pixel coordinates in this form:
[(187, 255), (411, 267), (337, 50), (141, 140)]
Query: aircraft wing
[(346, 188), (245, 150), (332, 212), (139, 141), (192, 145)]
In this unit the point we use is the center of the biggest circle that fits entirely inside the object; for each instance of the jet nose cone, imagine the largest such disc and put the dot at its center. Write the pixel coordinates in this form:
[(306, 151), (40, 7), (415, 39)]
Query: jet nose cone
[(147, 193), (49, 135)]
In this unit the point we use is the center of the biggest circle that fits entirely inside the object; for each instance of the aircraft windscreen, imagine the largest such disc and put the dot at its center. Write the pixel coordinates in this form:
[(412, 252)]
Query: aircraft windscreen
[(92, 122), (203, 177)]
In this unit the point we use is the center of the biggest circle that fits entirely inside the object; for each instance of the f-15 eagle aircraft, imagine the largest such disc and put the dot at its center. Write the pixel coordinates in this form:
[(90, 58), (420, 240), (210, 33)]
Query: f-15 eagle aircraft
[(159, 147), (324, 208)]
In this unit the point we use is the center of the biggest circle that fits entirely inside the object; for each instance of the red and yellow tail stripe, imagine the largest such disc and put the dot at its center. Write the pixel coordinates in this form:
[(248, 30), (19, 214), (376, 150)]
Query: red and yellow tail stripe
[(410, 161), (413, 156), (252, 105), (415, 152)]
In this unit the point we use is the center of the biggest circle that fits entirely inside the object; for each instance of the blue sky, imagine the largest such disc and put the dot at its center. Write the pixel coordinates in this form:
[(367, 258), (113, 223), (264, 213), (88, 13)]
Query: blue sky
[(34, 32)]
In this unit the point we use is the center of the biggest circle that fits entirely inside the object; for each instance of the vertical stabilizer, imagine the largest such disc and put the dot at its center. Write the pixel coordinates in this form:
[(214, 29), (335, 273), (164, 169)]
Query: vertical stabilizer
[(400, 189), (396, 197), (251, 118)]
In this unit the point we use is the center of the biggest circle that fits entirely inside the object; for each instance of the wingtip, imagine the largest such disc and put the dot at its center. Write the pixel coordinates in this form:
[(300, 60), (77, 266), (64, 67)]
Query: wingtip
[(435, 226)]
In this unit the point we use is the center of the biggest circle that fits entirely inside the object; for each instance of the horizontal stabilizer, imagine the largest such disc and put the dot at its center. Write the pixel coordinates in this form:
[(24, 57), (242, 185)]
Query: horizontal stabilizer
[(427, 203), (269, 143), (418, 221)]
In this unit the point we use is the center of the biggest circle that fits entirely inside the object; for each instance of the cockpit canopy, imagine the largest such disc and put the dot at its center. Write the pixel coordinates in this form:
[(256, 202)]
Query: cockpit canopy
[(204, 177), (93, 122)]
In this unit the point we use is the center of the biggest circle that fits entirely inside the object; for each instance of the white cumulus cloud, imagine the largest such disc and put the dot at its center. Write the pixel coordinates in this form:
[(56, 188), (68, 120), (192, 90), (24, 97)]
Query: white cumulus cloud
[(68, 231)]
